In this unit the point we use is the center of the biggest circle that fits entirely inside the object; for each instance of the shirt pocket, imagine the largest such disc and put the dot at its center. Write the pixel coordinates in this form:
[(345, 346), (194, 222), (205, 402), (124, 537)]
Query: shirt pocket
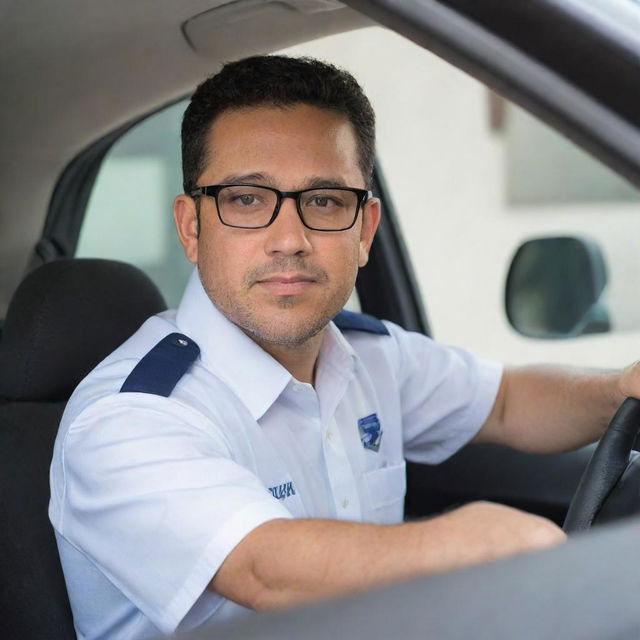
[(385, 489)]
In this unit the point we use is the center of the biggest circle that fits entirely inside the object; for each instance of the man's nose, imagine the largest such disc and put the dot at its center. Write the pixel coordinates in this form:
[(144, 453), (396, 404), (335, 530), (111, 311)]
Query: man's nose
[(286, 234)]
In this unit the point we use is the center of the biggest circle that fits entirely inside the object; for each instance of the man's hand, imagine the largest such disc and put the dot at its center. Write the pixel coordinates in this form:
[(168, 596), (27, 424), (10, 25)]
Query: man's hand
[(500, 531), (285, 562), (629, 383)]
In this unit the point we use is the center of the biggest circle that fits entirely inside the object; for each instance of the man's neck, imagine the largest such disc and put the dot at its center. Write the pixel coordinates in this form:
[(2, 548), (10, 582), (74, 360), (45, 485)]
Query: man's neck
[(299, 360)]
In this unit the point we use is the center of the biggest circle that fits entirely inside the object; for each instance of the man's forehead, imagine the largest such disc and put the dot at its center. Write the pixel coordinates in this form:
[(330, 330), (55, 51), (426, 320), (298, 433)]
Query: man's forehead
[(251, 109), (255, 139)]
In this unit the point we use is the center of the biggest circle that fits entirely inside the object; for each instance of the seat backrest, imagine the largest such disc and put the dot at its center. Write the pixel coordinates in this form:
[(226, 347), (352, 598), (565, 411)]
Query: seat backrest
[(64, 318)]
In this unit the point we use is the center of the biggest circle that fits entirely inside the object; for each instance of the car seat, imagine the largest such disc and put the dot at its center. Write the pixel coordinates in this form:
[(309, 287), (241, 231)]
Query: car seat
[(64, 318)]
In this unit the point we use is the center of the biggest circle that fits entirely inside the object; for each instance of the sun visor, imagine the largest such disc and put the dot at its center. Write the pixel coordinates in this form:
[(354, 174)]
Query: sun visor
[(285, 23)]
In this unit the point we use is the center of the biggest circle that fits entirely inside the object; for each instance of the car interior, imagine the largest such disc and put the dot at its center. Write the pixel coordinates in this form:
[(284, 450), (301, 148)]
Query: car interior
[(64, 317), (79, 76)]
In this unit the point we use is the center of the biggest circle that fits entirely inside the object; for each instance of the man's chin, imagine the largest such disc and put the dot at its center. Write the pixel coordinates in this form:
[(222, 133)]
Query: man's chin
[(285, 330), (283, 336)]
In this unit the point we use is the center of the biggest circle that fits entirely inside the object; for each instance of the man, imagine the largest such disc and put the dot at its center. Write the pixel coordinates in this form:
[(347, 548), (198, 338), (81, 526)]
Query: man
[(246, 453)]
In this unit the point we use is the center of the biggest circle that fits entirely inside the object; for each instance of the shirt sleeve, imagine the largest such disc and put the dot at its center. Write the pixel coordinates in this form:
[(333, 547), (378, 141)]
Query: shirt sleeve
[(154, 498), (446, 395)]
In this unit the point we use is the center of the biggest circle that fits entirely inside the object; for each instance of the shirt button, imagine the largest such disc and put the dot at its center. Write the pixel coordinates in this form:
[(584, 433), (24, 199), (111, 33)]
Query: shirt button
[(345, 503), (297, 387), (329, 435)]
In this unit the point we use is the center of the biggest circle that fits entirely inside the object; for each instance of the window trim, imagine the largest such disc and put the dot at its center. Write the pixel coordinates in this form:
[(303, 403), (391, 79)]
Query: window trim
[(70, 198), (387, 286)]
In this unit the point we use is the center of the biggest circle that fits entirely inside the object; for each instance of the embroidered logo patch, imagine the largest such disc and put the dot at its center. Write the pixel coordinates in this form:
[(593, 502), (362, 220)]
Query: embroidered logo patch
[(370, 432), (282, 491)]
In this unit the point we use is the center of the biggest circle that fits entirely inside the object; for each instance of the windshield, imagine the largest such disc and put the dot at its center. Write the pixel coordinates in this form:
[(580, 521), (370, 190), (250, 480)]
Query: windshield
[(619, 18)]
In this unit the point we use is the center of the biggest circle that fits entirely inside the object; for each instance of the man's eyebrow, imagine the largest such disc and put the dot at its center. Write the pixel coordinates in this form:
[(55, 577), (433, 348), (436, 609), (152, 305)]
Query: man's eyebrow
[(314, 182), (319, 182), (248, 178)]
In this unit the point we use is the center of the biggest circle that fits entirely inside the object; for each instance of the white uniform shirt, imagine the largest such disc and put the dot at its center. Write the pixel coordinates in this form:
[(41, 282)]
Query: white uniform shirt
[(151, 493)]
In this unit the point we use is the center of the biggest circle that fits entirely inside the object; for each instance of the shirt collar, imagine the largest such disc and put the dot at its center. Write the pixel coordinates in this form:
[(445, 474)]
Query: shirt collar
[(255, 377), (336, 350), (226, 351)]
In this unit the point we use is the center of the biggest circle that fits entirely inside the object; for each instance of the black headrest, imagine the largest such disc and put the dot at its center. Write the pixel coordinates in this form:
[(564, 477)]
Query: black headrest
[(64, 318)]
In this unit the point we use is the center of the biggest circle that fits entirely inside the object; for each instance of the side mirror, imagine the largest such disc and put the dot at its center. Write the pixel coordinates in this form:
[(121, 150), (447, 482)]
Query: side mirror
[(554, 288)]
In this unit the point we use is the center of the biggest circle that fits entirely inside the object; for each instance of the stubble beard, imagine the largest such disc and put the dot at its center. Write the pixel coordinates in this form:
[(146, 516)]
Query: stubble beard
[(273, 331)]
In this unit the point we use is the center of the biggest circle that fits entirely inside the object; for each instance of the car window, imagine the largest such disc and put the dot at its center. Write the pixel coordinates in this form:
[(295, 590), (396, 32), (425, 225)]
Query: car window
[(472, 176), (129, 216)]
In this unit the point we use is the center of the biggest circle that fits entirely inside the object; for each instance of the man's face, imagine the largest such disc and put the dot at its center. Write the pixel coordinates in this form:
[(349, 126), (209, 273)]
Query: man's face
[(283, 283)]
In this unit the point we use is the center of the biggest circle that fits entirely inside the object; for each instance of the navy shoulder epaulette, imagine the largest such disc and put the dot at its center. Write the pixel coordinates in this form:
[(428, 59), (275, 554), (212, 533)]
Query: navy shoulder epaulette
[(350, 321), (161, 369)]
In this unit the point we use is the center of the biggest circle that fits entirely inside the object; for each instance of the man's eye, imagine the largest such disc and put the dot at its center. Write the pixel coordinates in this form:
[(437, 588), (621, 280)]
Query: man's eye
[(246, 199), (323, 202)]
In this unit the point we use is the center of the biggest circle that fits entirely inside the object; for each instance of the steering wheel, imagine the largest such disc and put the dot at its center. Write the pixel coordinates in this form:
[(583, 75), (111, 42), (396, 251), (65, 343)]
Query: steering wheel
[(610, 485)]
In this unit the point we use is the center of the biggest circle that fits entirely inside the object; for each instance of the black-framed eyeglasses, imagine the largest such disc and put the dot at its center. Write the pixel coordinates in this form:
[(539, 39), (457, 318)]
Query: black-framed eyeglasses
[(252, 206)]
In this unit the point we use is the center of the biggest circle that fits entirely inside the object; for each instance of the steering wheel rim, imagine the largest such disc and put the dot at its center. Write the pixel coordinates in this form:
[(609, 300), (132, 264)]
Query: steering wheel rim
[(607, 464)]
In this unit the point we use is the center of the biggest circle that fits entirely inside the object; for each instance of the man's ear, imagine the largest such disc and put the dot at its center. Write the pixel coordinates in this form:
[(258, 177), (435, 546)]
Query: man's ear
[(370, 221), (185, 216)]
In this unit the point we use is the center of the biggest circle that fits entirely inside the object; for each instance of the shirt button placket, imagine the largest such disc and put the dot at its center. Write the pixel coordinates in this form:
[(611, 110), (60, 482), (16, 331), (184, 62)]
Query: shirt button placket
[(341, 478)]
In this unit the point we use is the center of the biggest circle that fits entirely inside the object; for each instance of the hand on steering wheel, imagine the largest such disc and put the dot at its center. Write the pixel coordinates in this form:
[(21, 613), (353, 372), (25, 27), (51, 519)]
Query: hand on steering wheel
[(603, 476)]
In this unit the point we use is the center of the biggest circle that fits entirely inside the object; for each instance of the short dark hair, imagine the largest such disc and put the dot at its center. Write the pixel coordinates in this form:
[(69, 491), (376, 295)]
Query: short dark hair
[(275, 81)]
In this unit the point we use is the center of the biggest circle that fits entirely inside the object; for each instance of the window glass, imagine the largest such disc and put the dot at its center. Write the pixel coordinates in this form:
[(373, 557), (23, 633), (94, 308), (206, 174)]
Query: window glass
[(129, 216), (622, 16), (543, 168)]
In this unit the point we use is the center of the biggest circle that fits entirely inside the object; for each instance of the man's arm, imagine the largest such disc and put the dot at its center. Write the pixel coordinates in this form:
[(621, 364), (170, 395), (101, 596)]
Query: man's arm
[(285, 562), (547, 409), (538, 409)]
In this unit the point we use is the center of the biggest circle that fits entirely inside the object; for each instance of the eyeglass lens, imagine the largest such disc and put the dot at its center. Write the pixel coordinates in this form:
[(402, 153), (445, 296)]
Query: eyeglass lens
[(250, 207)]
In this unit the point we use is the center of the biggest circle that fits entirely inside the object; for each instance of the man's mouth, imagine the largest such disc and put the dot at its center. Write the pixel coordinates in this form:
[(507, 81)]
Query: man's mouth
[(287, 284)]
